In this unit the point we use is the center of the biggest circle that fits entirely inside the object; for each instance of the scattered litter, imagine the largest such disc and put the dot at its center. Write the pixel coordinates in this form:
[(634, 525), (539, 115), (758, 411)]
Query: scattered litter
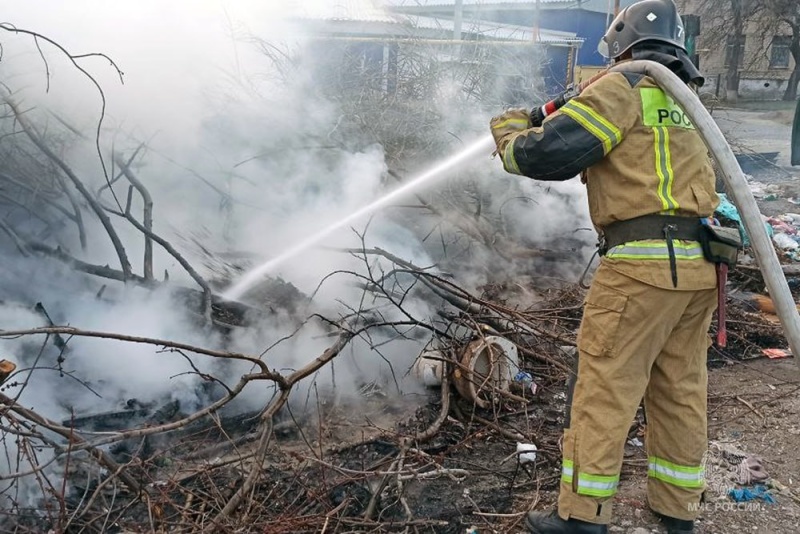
[(527, 452), (782, 225), (751, 494), (783, 490), (727, 210), (526, 381), (486, 368), (472, 530), (429, 367), (636, 442), (785, 241), (758, 189), (774, 354), (751, 471)]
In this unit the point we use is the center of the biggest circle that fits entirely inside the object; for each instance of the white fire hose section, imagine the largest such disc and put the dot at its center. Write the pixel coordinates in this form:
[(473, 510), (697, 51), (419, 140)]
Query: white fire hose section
[(737, 187)]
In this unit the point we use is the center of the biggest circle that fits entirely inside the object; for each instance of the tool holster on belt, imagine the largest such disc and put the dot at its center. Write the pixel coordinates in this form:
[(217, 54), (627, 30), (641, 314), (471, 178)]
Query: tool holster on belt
[(720, 246)]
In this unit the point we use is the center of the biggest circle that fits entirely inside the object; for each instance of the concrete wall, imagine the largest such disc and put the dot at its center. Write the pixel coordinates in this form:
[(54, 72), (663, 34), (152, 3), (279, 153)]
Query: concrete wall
[(749, 88)]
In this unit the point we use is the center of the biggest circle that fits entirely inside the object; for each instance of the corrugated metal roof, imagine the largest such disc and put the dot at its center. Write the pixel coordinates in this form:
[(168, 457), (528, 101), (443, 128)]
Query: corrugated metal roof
[(350, 10), (496, 31), (370, 11), (590, 5), (495, 3)]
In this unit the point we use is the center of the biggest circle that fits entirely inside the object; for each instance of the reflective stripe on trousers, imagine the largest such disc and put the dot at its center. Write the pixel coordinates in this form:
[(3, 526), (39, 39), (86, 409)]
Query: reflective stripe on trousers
[(678, 475), (656, 249), (591, 485)]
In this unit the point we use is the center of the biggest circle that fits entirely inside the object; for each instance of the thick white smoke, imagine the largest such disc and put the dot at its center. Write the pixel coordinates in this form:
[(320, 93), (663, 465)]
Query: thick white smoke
[(237, 162)]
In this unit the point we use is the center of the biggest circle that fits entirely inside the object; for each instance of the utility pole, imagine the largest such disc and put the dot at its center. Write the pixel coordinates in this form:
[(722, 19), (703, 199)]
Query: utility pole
[(458, 19), (536, 23), (616, 7)]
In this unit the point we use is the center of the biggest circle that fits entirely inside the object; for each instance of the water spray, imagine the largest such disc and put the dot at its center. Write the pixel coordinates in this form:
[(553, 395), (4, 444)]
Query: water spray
[(708, 129), (252, 277)]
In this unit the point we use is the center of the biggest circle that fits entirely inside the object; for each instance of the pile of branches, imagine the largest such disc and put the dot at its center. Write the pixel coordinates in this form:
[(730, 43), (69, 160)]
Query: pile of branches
[(251, 477), (148, 469)]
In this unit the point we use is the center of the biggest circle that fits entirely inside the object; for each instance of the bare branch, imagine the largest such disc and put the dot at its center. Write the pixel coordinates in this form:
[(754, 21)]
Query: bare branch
[(73, 59), (148, 215), (98, 210)]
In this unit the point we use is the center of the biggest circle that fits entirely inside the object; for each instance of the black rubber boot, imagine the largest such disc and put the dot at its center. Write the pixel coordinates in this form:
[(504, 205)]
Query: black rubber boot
[(676, 526), (551, 523)]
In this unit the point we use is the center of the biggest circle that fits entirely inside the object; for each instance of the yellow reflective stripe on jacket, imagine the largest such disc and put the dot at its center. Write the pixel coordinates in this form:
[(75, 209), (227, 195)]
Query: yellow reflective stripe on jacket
[(594, 123), (656, 249), (666, 177), (522, 124), (592, 485), (509, 160), (678, 475)]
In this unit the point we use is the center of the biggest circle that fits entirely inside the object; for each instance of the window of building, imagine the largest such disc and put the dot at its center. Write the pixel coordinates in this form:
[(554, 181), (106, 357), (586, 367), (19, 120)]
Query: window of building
[(730, 50), (779, 52)]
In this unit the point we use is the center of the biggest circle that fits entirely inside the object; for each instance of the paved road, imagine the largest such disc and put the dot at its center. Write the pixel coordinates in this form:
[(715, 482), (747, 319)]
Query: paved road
[(757, 131)]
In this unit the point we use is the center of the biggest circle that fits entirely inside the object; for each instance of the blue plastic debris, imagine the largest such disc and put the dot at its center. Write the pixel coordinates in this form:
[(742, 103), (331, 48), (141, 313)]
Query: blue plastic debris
[(751, 494), (523, 377), (526, 379), (729, 211)]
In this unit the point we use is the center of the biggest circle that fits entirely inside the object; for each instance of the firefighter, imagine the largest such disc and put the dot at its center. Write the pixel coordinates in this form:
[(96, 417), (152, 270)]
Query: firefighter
[(644, 333)]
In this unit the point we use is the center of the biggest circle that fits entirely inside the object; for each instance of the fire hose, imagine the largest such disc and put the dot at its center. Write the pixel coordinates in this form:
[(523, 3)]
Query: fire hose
[(733, 176)]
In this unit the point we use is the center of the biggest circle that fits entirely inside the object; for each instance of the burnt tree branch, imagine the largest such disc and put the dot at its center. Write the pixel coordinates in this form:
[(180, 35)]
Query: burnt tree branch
[(147, 218), (166, 245), (73, 58), (93, 204), (70, 434), (266, 430)]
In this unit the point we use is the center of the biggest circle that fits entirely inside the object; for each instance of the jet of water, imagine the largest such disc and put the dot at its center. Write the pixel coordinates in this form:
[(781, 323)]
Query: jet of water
[(251, 277)]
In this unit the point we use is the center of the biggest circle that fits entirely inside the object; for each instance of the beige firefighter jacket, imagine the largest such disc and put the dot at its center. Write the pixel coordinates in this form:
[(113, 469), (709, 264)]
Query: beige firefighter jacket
[(638, 154)]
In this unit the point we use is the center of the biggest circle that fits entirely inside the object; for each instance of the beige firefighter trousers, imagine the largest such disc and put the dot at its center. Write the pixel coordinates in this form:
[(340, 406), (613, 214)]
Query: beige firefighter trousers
[(637, 341)]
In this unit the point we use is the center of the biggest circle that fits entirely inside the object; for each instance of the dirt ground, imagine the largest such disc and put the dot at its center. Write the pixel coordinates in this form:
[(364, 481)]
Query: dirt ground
[(755, 407)]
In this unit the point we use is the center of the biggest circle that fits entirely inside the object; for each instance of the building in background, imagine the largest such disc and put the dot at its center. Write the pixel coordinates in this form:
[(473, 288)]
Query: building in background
[(377, 28), (586, 19), (765, 63)]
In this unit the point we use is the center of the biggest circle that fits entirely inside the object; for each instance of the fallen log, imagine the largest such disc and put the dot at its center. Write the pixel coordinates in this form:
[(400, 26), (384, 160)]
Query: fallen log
[(6, 368)]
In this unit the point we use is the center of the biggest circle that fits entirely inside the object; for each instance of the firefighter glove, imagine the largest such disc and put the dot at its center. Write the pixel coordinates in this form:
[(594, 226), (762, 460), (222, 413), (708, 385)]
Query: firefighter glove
[(505, 128), (512, 121)]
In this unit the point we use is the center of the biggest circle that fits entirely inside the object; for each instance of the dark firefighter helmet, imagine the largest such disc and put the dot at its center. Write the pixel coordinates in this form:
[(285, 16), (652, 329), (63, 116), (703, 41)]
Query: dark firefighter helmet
[(645, 21)]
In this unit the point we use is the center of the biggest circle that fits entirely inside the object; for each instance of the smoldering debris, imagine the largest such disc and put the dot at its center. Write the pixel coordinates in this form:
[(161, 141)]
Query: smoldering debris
[(143, 400)]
